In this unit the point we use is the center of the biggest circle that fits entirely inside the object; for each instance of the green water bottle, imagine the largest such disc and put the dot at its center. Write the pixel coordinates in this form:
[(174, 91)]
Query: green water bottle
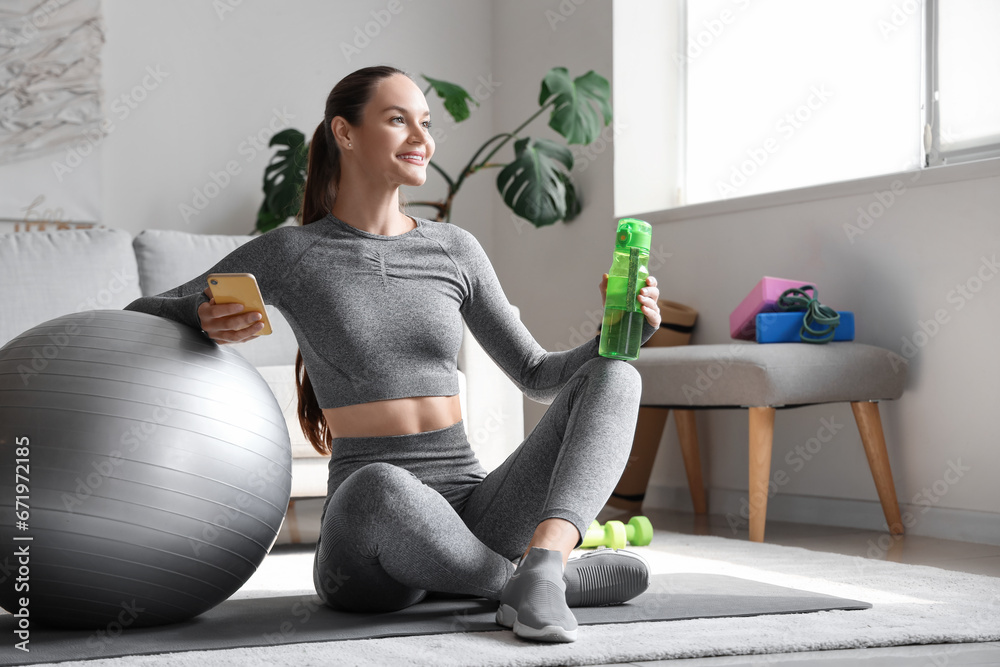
[(621, 329)]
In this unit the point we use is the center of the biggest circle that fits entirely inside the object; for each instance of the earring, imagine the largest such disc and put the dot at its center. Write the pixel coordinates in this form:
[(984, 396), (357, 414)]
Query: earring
[(349, 145)]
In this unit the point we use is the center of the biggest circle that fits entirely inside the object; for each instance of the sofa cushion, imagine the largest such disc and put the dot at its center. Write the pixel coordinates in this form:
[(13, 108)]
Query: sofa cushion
[(47, 274), (168, 258)]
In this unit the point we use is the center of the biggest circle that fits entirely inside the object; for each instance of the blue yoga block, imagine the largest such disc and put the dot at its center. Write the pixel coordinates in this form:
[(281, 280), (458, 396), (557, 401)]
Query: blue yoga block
[(784, 327)]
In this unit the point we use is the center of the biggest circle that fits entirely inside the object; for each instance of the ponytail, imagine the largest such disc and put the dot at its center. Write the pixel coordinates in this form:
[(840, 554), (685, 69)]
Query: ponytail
[(322, 172), (322, 175), (347, 99)]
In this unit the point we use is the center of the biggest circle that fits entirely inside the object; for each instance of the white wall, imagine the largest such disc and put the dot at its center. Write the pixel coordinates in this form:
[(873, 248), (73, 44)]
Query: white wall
[(553, 273), (222, 77), (897, 274)]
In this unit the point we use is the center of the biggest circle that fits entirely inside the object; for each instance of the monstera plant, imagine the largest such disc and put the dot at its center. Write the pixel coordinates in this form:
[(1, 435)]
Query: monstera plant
[(284, 179), (535, 184)]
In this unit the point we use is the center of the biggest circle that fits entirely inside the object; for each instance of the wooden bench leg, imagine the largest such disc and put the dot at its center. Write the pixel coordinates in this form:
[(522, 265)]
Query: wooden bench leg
[(870, 427), (688, 436), (631, 488), (761, 438)]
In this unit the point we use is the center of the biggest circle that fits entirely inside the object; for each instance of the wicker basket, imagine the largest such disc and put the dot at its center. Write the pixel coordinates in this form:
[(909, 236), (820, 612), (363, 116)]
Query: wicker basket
[(676, 325)]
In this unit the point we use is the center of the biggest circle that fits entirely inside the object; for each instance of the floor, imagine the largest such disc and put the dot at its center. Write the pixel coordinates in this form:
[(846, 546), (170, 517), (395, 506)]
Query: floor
[(302, 524)]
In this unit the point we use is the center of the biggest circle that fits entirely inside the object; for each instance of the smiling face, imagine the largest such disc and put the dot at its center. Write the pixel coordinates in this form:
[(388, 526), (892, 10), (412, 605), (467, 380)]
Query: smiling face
[(393, 141)]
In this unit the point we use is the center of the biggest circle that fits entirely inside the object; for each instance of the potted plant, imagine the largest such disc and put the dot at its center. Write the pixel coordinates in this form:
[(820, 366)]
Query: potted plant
[(536, 184)]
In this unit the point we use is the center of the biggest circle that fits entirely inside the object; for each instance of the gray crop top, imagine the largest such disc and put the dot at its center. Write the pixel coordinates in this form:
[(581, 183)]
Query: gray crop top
[(380, 317)]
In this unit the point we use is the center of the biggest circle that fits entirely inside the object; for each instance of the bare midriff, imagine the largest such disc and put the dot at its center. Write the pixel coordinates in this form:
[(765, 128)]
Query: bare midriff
[(396, 416)]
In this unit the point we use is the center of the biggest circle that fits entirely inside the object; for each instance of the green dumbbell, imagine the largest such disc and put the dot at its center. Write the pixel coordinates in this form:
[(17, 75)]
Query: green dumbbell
[(614, 534)]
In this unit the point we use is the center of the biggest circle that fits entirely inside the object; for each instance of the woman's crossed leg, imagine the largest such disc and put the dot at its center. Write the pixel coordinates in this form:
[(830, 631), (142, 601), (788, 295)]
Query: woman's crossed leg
[(388, 537)]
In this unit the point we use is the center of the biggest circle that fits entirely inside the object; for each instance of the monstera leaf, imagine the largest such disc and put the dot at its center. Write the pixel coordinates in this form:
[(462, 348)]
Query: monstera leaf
[(454, 96), (579, 104), (284, 178), (533, 185), (573, 203)]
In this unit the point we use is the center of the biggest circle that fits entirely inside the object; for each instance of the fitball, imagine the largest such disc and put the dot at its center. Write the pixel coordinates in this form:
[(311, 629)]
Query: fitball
[(144, 471)]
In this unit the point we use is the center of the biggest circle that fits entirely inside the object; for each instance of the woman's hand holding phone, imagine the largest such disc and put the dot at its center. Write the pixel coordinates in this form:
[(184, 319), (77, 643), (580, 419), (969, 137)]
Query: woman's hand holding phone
[(235, 310), (227, 323)]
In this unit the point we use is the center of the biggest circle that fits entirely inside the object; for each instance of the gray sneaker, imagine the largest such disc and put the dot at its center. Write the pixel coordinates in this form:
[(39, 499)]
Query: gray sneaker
[(605, 577), (533, 601)]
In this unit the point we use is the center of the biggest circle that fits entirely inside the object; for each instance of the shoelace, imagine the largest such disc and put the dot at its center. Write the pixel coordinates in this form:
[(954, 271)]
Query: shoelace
[(819, 321)]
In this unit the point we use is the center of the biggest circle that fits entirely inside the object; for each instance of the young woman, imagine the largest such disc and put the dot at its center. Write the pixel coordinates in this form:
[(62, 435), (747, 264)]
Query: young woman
[(376, 299)]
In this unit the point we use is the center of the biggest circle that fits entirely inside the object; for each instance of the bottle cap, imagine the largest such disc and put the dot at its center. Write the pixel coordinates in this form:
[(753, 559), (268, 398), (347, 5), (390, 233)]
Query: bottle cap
[(633, 233)]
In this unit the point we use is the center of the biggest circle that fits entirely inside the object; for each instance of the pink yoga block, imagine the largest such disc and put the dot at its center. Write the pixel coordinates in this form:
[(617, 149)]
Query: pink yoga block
[(763, 298)]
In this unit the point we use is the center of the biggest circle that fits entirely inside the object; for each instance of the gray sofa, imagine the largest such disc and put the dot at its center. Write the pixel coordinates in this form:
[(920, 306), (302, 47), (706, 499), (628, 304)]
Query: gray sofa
[(47, 274)]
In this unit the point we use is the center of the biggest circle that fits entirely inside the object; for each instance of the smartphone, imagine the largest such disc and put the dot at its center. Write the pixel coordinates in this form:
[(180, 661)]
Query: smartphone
[(239, 288)]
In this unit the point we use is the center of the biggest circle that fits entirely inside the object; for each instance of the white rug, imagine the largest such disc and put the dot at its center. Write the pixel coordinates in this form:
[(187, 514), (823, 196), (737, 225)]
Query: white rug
[(912, 605)]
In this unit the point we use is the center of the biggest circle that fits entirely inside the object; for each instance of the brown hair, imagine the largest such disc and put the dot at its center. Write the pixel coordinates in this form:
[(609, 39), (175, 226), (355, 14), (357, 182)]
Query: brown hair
[(348, 100)]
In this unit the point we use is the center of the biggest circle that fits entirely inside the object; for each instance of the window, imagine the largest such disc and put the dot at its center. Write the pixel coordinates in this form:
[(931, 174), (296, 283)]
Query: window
[(767, 96), (964, 98)]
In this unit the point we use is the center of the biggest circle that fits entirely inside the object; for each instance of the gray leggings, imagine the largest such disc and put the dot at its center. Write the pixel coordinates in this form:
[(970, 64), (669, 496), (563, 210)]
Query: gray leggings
[(408, 514)]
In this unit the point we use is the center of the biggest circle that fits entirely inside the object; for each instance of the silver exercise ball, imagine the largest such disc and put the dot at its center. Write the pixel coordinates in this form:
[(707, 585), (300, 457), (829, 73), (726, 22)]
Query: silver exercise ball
[(150, 466)]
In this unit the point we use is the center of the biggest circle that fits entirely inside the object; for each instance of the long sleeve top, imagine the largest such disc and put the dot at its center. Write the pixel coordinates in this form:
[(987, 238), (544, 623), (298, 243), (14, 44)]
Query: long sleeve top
[(380, 317)]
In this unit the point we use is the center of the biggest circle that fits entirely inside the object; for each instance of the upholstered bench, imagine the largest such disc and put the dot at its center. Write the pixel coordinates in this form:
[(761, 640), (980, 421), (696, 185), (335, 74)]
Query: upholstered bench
[(763, 378)]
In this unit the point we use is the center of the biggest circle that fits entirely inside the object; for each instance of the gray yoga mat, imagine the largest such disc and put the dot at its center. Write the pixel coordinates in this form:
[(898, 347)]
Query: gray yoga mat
[(303, 618)]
